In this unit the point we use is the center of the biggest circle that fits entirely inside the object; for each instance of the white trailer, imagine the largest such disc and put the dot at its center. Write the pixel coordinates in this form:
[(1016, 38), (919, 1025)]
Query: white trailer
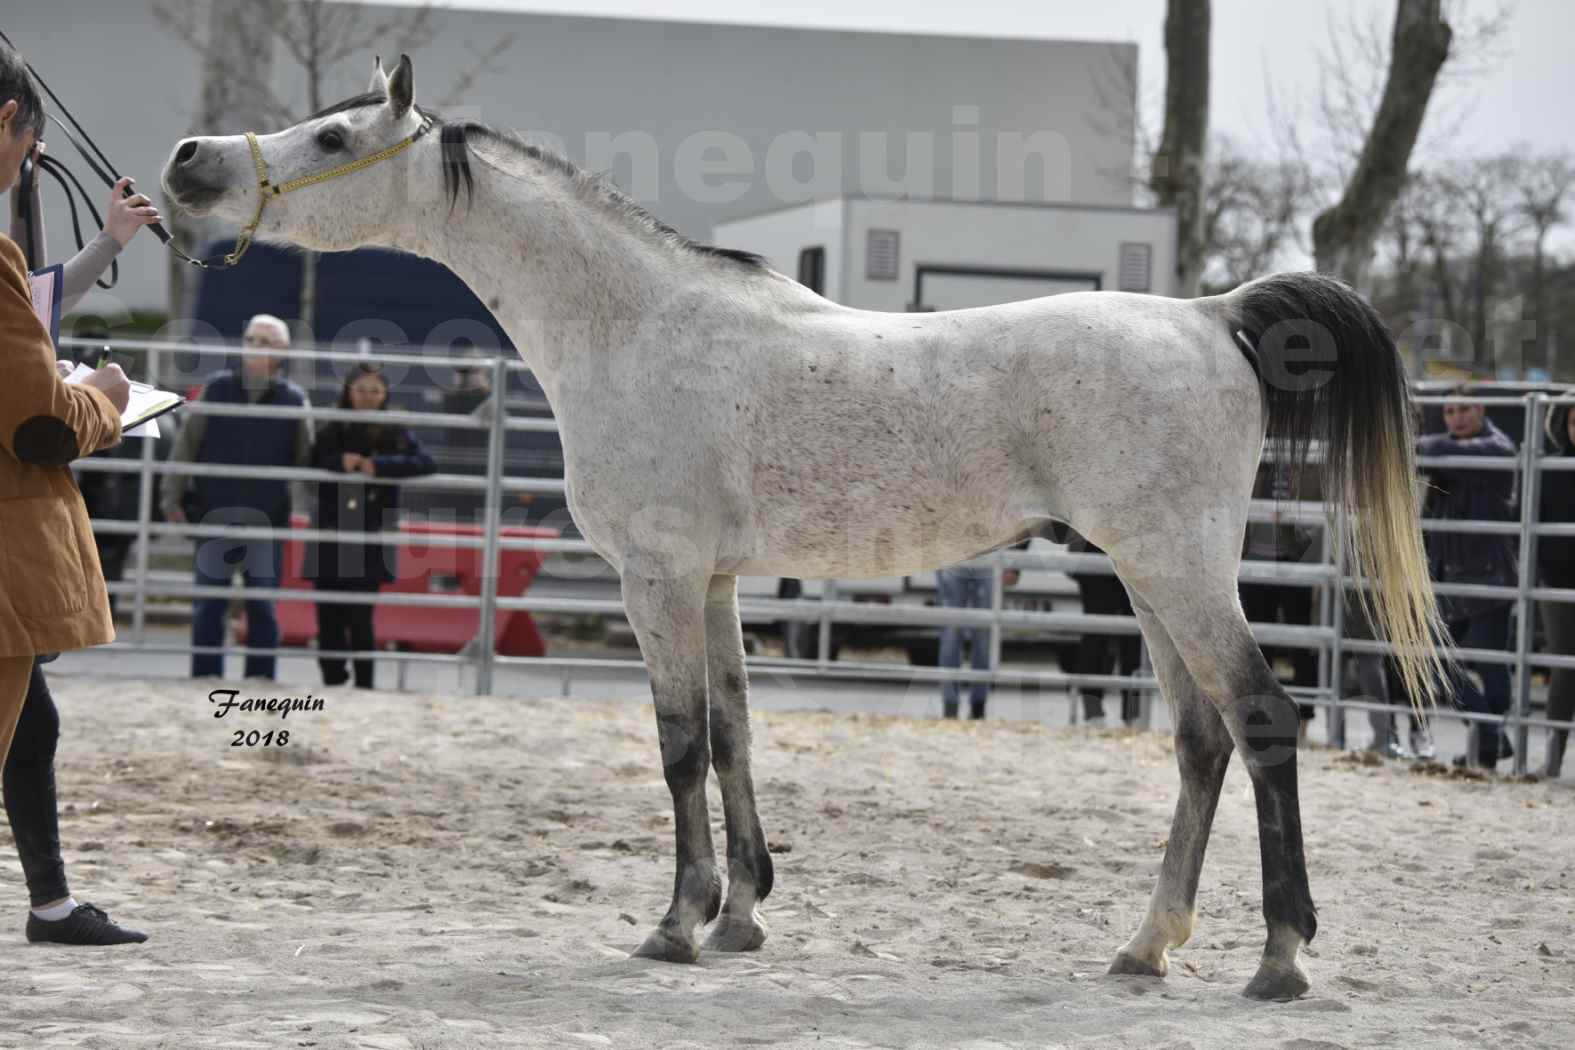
[(898, 254), (878, 253)]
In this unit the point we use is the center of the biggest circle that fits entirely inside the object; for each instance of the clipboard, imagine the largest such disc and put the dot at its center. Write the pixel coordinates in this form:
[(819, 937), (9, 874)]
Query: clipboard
[(47, 285), (145, 403)]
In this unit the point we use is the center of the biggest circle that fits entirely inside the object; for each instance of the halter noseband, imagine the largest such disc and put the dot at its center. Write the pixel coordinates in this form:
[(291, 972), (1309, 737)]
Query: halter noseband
[(268, 190)]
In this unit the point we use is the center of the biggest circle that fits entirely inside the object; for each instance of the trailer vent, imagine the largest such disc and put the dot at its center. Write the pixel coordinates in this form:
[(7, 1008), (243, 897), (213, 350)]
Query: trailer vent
[(1137, 261), (880, 255)]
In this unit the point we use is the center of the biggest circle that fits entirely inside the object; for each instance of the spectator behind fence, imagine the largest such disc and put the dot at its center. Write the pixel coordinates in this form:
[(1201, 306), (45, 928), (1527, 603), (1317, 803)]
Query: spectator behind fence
[(965, 587), (1288, 603), (1104, 595), (239, 501), (1556, 568), (52, 594), (1372, 675), (114, 495), (1458, 557), (372, 450)]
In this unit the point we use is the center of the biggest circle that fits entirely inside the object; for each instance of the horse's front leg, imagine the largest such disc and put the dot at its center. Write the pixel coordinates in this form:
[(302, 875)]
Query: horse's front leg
[(749, 873), (668, 617)]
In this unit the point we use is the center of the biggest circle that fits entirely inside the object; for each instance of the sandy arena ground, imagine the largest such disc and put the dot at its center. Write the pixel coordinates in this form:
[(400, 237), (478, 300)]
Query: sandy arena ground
[(425, 872)]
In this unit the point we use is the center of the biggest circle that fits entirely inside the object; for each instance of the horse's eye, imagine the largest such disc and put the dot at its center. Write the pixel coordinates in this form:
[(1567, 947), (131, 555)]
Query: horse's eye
[(330, 140)]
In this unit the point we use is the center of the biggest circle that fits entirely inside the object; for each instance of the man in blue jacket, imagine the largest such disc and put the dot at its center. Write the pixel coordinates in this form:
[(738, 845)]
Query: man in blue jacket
[(1458, 557), (241, 502)]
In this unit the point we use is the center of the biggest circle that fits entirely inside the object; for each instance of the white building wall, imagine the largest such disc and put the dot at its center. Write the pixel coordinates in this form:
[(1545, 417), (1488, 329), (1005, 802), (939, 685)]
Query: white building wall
[(1038, 242), (789, 114), (1038, 238), (780, 235)]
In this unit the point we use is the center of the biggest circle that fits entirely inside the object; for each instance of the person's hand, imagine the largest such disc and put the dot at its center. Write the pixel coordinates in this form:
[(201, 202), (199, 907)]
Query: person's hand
[(176, 515), (113, 384), (127, 215), (368, 466), (350, 462)]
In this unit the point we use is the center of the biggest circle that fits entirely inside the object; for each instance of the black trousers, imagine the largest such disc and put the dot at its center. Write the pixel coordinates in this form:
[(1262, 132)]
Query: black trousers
[(1106, 596), (1265, 603), (1558, 620), (29, 782), (112, 551), (346, 626)]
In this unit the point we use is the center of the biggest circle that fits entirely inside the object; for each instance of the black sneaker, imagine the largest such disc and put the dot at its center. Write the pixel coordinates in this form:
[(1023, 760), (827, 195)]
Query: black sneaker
[(85, 925)]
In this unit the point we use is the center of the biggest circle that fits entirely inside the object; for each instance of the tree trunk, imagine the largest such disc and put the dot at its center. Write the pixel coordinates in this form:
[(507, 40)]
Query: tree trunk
[(1542, 356), (1177, 171), (1343, 236)]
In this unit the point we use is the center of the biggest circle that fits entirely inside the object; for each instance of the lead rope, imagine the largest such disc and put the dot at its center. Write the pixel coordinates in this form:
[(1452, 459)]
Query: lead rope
[(102, 167)]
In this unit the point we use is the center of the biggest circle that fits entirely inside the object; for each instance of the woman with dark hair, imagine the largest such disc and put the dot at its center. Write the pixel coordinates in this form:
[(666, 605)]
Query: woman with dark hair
[(1556, 568), (54, 598), (369, 450)]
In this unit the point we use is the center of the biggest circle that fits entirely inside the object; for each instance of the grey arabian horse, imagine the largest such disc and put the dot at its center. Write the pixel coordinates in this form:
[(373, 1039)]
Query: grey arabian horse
[(717, 418)]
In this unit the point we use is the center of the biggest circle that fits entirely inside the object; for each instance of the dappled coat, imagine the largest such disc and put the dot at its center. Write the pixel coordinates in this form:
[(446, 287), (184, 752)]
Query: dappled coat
[(52, 594)]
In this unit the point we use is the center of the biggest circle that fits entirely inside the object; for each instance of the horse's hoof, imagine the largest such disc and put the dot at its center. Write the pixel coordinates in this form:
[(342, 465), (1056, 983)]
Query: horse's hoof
[(1277, 984), (1135, 967), (663, 946), (736, 935)]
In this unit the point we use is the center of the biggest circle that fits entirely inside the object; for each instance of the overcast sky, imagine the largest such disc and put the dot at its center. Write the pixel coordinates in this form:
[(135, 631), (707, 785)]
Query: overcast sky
[(1524, 97)]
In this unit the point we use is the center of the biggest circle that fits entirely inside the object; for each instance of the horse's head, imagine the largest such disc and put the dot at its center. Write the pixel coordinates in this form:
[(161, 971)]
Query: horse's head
[(301, 185)]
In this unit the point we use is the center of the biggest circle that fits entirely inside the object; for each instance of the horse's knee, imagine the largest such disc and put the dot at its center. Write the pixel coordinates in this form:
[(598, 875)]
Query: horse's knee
[(1203, 743), (686, 751), (1266, 725)]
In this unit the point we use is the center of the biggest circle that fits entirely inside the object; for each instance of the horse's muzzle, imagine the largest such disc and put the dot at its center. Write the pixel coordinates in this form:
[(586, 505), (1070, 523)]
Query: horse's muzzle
[(184, 180)]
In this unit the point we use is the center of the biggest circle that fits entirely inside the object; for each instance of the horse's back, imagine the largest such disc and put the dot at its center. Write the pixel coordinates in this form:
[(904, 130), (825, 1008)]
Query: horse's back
[(871, 443)]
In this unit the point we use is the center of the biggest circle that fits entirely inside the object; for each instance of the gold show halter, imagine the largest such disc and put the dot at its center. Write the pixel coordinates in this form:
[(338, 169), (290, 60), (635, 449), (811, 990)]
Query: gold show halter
[(268, 190)]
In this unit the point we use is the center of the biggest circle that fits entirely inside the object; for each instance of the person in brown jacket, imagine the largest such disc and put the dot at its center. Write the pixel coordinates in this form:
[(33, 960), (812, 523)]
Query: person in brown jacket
[(52, 593)]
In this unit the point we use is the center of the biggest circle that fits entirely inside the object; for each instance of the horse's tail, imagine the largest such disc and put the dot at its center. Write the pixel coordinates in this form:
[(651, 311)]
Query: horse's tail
[(1331, 373)]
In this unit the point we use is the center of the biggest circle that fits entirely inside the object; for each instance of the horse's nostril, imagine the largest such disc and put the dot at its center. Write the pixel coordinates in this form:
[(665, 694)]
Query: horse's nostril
[(187, 150)]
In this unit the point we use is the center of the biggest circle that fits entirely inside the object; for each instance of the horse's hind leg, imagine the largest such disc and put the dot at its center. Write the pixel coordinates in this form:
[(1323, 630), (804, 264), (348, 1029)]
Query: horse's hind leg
[(1203, 747), (1202, 616), (749, 874), (668, 617)]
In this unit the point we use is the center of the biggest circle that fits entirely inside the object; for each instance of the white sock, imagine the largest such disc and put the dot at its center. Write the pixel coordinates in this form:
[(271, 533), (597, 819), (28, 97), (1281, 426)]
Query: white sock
[(58, 912)]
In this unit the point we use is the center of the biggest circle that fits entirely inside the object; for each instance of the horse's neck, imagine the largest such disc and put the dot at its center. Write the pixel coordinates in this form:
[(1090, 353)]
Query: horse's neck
[(562, 276)]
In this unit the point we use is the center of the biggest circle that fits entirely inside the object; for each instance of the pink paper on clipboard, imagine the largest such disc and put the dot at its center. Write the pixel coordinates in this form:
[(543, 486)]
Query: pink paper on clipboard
[(46, 285)]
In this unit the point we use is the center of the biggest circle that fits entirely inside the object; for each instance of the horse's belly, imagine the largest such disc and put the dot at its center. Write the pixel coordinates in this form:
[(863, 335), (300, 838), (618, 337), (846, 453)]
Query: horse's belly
[(862, 523)]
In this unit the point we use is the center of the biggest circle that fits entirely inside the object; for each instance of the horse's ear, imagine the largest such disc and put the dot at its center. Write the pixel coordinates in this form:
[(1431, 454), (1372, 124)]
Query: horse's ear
[(379, 84), (402, 86)]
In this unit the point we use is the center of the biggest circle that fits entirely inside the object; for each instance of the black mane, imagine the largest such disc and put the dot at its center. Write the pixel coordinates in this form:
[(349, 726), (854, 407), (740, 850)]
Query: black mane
[(598, 188), (455, 140)]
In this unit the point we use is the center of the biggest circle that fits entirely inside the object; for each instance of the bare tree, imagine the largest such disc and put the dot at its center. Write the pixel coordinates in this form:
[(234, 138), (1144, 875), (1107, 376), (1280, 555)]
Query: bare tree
[(1545, 187), (327, 43), (1438, 224), (238, 43), (1345, 234), (1251, 210), (1177, 170), (1484, 191)]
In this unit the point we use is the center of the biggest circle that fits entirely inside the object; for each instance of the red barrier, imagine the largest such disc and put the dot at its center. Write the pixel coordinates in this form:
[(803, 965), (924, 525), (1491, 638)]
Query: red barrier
[(425, 568)]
